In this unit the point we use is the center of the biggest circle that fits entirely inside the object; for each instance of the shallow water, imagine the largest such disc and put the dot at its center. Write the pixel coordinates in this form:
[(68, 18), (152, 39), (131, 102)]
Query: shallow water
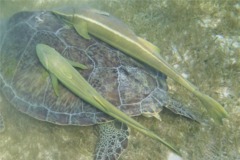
[(201, 39)]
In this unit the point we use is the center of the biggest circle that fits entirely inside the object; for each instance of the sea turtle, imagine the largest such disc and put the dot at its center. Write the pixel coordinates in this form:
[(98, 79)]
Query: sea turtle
[(131, 86)]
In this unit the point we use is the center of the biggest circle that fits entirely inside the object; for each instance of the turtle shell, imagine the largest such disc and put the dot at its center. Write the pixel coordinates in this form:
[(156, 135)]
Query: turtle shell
[(129, 85)]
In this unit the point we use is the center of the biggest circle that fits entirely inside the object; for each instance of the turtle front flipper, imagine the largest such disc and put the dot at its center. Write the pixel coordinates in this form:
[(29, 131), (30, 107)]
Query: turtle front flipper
[(113, 140), (180, 109), (2, 127)]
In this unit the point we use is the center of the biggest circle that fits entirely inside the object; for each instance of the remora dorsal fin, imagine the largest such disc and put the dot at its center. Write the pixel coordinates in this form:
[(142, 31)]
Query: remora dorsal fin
[(101, 12)]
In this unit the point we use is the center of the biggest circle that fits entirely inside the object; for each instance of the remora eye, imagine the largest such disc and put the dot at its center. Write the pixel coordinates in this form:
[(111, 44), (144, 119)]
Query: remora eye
[(44, 54), (45, 60)]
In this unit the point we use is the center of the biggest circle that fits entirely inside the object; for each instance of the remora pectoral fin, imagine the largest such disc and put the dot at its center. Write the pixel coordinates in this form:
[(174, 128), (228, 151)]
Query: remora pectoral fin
[(148, 45), (77, 65), (82, 30), (55, 83)]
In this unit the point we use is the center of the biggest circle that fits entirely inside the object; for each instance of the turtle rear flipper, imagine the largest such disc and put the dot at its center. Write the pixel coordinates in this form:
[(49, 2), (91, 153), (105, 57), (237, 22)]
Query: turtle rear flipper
[(2, 127), (113, 140)]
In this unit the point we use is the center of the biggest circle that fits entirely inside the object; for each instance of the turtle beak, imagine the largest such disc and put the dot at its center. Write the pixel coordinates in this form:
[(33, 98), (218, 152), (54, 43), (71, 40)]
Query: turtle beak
[(42, 52)]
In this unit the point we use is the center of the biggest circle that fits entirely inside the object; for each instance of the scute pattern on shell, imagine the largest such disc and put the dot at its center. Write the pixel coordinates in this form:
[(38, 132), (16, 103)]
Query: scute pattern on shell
[(113, 140), (128, 84)]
